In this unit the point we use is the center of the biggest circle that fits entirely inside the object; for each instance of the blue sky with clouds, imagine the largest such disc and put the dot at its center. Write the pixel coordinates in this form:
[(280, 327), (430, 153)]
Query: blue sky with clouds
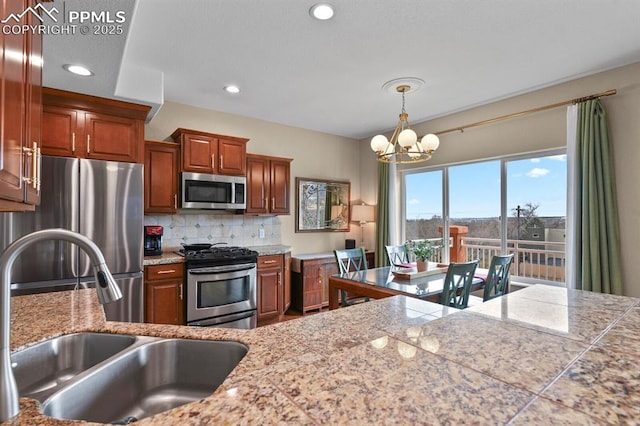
[(475, 188)]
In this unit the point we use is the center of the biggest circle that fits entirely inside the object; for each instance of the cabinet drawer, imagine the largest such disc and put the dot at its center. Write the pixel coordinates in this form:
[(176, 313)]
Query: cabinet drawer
[(274, 261), (163, 272)]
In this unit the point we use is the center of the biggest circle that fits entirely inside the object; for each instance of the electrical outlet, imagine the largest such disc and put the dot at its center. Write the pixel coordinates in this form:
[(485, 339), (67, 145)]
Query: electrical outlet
[(261, 233)]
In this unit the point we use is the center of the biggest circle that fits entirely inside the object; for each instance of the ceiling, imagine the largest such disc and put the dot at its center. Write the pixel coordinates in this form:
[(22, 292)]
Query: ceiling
[(328, 75)]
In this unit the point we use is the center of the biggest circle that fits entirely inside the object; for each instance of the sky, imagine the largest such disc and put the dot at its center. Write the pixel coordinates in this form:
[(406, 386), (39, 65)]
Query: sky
[(475, 188)]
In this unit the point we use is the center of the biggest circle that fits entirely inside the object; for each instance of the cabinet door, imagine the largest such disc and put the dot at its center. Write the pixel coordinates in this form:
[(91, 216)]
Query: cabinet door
[(12, 101), (199, 154), (328, 270), (164, 302), (108, 137), (269, 293), (286, 271), (160, 177), (279, 188), (232, 156), (34, 109), (257, 184), (313, 282), (62, 131)]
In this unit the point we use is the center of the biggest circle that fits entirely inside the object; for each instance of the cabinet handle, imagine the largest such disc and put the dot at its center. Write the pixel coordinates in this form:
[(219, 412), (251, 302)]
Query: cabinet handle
[(180, 292), (213, 161), (267, 262), (34, 166), (29, 153), (221, 162), (266, 202), (279, 278), (88, 144), (273, 202), (175, 201), (73, 142), (38, 172), (168, 271)]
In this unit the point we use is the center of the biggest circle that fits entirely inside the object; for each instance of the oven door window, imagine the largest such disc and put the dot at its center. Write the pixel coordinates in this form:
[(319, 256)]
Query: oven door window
[(208, 192), (225, 292)]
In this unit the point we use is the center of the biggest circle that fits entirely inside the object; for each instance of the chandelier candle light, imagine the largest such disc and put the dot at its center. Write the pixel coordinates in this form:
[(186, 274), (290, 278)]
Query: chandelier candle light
[(404, 146)]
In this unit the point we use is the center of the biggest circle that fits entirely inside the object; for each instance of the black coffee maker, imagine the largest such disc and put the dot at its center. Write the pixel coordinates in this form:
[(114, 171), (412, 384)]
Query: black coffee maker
[(152, 240)]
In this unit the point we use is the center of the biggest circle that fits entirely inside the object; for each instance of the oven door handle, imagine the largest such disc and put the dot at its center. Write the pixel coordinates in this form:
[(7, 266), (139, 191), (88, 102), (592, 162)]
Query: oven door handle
[(223, 319), (220, 269)]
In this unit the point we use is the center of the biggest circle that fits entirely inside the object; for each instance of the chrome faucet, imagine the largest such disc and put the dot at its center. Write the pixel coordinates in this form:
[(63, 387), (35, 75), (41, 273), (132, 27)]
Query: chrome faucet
[(106, 287)]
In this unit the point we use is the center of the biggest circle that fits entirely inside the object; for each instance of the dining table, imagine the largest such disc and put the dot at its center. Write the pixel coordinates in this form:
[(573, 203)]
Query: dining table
[(387, 281)]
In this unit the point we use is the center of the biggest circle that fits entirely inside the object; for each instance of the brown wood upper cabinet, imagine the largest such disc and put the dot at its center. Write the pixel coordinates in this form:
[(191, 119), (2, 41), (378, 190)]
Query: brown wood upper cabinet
[(268, 184), (82, 126), (211, 153), (20, 113), (161, 162)]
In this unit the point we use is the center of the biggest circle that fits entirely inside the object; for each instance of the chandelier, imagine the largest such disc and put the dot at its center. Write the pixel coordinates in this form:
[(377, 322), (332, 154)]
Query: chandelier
[(404, 146)]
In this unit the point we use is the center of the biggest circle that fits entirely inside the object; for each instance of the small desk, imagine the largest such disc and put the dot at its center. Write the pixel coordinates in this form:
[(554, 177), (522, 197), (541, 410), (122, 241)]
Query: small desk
[(378, 283)]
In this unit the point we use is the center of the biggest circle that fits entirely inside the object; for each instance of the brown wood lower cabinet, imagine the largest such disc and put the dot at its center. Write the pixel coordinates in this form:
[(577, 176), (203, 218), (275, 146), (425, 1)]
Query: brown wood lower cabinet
[(310, 279), (274, 284), (164, 293)]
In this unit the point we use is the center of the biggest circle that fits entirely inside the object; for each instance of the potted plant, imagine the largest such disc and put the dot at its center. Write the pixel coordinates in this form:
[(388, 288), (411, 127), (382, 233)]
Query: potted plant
[(421, 250)]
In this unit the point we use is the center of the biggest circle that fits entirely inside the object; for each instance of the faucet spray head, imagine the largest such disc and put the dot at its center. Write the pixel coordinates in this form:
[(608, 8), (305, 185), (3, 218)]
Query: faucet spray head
[(108, 290)]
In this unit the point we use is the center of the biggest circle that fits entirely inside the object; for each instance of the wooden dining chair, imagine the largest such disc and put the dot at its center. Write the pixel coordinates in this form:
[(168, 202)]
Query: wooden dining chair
[(351, 260), (497, 282), (457, 284), (397, 254)]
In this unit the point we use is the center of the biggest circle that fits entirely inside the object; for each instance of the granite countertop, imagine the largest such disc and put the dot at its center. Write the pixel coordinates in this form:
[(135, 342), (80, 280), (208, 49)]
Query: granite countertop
[(541, 355), (169, 256)]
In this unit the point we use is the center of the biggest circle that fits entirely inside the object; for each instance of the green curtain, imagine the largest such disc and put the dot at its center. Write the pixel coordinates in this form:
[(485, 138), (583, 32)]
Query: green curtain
[(598, 236), (382, 224)]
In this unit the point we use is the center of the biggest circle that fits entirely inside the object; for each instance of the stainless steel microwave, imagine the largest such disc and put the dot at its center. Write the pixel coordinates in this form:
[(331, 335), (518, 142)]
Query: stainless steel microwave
[(206, 191)]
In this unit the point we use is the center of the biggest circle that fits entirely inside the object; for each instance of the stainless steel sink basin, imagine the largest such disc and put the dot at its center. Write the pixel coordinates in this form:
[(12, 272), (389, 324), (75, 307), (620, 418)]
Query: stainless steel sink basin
[(45, 366), (150, 377)]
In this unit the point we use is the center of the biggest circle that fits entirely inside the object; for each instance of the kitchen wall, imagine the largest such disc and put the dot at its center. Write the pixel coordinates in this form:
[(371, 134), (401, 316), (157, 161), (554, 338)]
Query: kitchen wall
[(545, 130), (315, 155), (236, 230)]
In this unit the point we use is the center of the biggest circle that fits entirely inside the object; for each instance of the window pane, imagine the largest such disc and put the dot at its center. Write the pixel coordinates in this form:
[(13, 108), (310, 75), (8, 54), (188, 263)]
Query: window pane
[(423, 205), (474, 200), (536, 206)]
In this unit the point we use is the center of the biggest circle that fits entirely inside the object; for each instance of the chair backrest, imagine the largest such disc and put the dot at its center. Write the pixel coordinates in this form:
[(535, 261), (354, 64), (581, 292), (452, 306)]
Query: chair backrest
[(498, 277), (351, 260), (397, 254), (457, 284)]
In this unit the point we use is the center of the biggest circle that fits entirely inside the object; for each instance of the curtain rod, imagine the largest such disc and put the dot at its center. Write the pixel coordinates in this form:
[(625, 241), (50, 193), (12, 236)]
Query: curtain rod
[(529, 111)]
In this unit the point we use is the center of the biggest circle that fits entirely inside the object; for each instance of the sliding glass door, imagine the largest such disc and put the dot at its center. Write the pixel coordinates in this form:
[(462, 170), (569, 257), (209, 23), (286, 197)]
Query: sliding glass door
[(511, 205)]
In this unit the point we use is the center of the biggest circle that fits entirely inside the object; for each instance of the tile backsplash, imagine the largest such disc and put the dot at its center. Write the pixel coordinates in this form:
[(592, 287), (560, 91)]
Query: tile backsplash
[(236, 230)]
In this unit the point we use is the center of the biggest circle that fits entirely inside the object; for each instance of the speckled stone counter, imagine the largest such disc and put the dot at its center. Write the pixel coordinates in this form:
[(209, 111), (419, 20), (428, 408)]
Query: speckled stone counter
[(169, 256), (542, 355)]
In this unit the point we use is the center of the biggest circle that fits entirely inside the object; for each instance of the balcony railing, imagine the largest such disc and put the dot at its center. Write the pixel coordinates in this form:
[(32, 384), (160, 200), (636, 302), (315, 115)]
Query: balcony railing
[(533, 261)]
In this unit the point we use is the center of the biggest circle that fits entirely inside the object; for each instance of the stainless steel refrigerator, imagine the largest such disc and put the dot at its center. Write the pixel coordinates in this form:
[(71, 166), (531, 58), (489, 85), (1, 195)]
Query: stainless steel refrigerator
[(102, 200)]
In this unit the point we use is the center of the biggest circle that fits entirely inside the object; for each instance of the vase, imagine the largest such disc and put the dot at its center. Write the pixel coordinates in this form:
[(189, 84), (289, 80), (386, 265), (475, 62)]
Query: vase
[(421, 265)]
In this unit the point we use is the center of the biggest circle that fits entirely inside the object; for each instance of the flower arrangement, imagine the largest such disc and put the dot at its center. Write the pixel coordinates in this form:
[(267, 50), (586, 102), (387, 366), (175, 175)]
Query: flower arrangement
[(421, 249)]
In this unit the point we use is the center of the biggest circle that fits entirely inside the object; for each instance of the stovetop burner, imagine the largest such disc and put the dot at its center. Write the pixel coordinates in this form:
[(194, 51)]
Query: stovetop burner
[(218, 255)]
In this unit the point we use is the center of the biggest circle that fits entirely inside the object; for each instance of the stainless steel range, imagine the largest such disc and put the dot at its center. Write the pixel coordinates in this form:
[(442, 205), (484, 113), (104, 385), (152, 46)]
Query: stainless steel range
[(221, 286)]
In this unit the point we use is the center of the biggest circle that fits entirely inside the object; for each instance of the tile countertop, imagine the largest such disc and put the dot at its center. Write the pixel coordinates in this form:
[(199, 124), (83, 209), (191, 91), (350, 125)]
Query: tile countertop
[(541, 355), (169, 256)]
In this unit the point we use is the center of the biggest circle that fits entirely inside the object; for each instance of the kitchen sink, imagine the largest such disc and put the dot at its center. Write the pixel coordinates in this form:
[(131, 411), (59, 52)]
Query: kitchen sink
[(149, 377), (42, 368)]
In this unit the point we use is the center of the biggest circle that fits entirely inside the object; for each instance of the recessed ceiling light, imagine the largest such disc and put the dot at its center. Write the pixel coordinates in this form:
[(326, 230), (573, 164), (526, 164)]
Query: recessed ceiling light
[(77, 69), (321, 11), (232, 89)]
